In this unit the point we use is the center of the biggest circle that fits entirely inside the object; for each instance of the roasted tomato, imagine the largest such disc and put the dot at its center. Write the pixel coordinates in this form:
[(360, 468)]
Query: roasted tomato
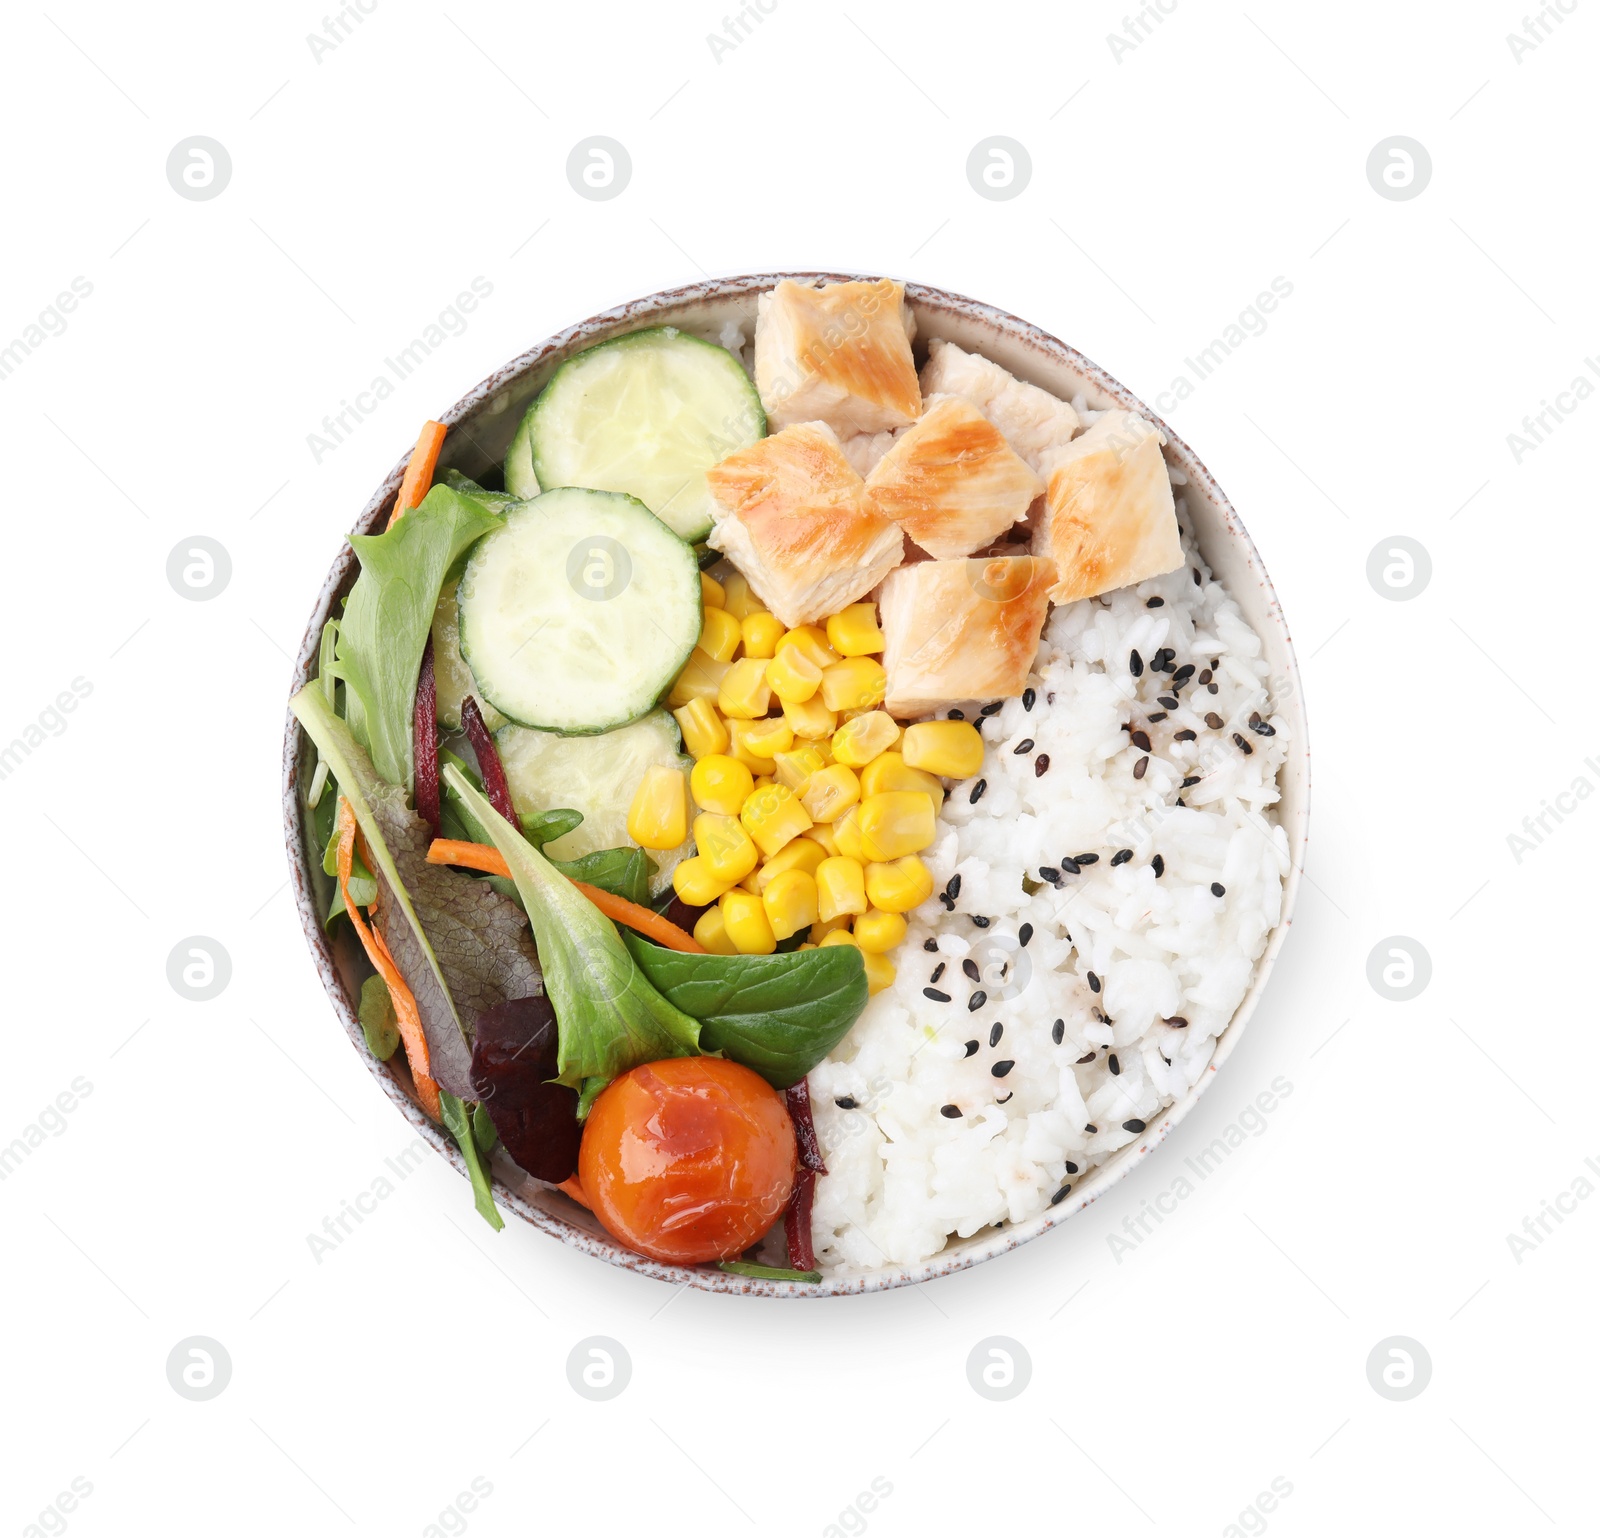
[(690, 1159)]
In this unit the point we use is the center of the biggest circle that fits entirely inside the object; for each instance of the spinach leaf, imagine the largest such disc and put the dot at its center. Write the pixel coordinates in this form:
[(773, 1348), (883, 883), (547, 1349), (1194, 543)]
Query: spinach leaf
[(622, 872), (767, 1273), (389, 613), (541, 828), (459, 1120), (378, 1023), (779, 1014), (609, 1017)]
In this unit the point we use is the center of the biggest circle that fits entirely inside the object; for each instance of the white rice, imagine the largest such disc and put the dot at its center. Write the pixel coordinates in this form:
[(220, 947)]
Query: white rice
[(902, 1176)]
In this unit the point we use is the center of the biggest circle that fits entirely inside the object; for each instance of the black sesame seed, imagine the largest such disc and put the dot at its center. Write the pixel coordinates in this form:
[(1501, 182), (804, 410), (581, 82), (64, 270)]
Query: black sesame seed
[(948, 901), (1194, 571), (1217, 889), (1060, 1195), (1211, 688), (955, 715), (1133, 1124), (1003, 1067), (1113, 1064), (930, 944), (1135, 663), (1089, 1126), (1213, 720), (1057, 1031), (1205, 675), (936, 995), (1177, 1022), (1122, 856), (1157, 715), (1024, 934), (1088, 1057), (995, 1032), (1009, 1095), (952, 1111), (845, 1103), (1154, 603), (1072, 1169), (1184, 674), (1169, 701), (972, 1046), (1243, 746), (938, 972), (1028, 698), (970, 967), (980, 920), (1025, 746), (1094, 982), (1185, 735), (1070, 866), (1262, 729), (1051, 874), (1140, 767), (1216, 662), (1162, 658), (977, 792), (977, 1001), (1086, 859), (991, 708), (1140, 740), (1180, 802), (1188, 780), (952, 888), (1041, 765), (1158, 865)]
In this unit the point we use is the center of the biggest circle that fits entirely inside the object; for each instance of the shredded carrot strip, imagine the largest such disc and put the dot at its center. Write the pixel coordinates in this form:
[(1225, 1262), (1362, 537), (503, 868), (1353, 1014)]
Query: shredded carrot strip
[(405, 1005), (485, 857), (419, 472)]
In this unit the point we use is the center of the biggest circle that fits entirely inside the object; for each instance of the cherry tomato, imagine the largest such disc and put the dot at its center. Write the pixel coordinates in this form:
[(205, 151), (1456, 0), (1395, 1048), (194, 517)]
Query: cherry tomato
[(687, 1160)]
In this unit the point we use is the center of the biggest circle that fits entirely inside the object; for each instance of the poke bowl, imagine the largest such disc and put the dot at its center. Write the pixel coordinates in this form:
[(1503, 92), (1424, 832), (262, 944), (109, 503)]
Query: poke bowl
[(1071, 652)]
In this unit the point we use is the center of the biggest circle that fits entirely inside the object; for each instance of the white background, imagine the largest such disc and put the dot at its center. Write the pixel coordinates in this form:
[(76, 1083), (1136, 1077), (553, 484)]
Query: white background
[(1172, 1382)]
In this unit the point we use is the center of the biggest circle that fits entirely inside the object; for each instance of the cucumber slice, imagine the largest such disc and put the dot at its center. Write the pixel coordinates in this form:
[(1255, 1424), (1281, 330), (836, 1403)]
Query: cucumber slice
[(452, 678), (520, 479), (596, 776), (578, 614), (647, 414)]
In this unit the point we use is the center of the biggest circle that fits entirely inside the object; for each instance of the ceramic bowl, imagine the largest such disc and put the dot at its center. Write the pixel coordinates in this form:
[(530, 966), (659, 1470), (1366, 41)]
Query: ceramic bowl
[(481, 425)]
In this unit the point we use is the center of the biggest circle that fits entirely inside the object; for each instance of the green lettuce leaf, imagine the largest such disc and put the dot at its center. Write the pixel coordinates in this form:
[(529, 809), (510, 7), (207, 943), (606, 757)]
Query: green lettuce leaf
[(459, 1122), (609, 1017)]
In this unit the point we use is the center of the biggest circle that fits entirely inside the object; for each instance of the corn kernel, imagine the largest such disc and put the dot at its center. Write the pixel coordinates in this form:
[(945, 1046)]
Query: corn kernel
[(791, 902), (797, 766), (853, 632), (740, 600), (712, 593), (862, 739), (797, 854), (895, 823), (841, 887), (847, 834), (752, 882), (951, 748), (878, 931), (743, 693), (693, 882), (880, 971), (764, 780), (829, 791), (899, 885), (746, 921), (767, 737), (825, 927), (813, 643), (698, 679), (810, 718), (808, 946), (888, 772), (738, 750), (720, 784), (839, 937), (712, 933), (719, 634), (760, 634), (772, 816), (793, 675), (822, 836), (724, 845), (702, 728), (659, 815), (857, 683)]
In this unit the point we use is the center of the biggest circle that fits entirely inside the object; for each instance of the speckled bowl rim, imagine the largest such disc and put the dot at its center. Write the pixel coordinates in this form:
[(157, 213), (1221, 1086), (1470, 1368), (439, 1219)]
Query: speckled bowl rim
[(668, 306)]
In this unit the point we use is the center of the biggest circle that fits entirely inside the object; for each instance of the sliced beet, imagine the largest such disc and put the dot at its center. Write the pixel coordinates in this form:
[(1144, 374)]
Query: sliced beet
[(495, 785), (425, 741), (513, 1062), (797, 1222), (798, 1098), (683, 914)]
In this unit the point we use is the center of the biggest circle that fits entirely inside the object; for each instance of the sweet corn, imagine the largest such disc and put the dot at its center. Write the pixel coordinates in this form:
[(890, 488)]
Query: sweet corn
[(712, 933), (895, 823), (764, 780), (813, 643), (724, 845), (760, 632), (810, 718), (878, 931), (767, 737), (853, 632), (857, 683), (772, 816), (797, 766), (712, 593), (693, 882), (899, 885), (808, 946), (847, 835), (791, 902), (746, 921), (829, 791), (888, 772), (864, 737), (951, 748), (822, 836), (793, 675), (659, 815), (841, 887), (744, 693), (737, 730), (739, 599), (699, 679), (720, 784), (880, 971), (839, 937), (719, 634), (703, 729), (797, 854)]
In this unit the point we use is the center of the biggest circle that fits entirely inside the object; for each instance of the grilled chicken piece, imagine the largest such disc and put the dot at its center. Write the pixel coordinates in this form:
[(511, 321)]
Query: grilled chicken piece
[(1108, 518), (789, 514), (840, 354), (1034, 422), (951, 481), (961, 630)]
